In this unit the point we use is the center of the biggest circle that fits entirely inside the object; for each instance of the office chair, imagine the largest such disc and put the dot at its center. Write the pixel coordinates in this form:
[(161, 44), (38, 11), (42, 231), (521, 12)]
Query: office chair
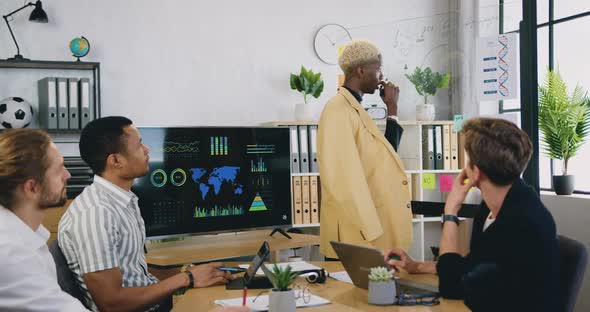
[(65, 277), (574, 257)]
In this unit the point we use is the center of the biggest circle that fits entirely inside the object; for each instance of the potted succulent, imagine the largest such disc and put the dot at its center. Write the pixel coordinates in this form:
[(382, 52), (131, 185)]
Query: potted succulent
[(564, 121), (309, 84), (427, 83), (282, 297), (381, 286)]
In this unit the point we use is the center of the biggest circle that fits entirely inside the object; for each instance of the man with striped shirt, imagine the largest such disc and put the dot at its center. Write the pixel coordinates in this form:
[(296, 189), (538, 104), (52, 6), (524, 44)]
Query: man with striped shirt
[(102, 234)]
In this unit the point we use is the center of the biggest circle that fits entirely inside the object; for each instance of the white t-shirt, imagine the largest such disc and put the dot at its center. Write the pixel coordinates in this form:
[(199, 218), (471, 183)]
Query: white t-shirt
[(488, 222), (28, 279)]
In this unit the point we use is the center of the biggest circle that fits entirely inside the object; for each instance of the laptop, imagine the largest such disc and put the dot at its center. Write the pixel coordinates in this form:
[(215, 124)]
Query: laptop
[(250, 279), (358, 260)]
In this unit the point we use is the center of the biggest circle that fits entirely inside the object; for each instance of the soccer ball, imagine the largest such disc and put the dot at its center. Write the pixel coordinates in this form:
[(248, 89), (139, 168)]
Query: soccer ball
[(15, 113)]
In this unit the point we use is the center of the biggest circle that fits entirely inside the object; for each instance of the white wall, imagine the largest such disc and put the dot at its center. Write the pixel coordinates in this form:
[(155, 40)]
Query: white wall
[(224, 62), (571, 214)]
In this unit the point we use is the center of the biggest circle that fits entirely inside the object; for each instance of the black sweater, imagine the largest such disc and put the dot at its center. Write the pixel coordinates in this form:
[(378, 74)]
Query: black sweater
[(513, 265)]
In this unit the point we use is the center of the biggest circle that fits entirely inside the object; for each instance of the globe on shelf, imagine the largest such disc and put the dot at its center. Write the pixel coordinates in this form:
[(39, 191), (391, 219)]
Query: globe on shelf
[(15, 112), (79, 47)]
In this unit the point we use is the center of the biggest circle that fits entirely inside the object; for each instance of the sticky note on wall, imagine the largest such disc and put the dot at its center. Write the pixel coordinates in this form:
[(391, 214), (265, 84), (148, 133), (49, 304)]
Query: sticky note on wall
[(458, 123), (428, 182), (340, 49), (446, 182)]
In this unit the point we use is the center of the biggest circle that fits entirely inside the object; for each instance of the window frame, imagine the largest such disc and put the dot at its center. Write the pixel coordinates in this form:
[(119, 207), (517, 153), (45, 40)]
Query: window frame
[(551, 24)]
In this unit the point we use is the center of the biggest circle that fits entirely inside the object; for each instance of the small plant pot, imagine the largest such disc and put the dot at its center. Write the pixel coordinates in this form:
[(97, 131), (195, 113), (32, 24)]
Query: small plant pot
[(382, 293), (303, 112), (281, 301), (425, 112), (563, 184)]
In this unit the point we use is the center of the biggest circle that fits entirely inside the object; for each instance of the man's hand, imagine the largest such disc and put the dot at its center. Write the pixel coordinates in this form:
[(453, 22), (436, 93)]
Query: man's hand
[(461, 187), (230, 309), (390, 97), (208, 274), (406, 262)]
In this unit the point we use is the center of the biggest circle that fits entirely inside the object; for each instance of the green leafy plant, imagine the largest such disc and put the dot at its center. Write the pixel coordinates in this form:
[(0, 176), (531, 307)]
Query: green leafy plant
[(380, 274), (564, 119), (282, 278), (307, 83), (428, 82)]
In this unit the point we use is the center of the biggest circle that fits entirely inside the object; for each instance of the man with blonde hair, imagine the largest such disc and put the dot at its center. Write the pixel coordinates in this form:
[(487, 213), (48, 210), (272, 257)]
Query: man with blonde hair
[(365, 192), (32, 180)]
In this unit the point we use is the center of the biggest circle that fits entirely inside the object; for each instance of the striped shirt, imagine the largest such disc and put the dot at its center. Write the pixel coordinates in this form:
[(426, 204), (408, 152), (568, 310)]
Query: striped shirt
[(103, 229)]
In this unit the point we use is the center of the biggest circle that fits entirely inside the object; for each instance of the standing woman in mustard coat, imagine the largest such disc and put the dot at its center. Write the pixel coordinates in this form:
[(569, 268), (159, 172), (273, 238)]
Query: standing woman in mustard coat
[(365, 192)]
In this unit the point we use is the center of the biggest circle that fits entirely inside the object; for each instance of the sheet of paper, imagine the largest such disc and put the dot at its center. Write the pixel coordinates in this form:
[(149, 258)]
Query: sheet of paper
[(295, 266), (497, 67), (341, 276), (261, 303)]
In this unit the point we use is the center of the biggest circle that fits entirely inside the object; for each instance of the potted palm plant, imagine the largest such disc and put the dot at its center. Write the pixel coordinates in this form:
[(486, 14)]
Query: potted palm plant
[(564, 121), (309, 84), (381, 286), (427, 83), (282, 297)]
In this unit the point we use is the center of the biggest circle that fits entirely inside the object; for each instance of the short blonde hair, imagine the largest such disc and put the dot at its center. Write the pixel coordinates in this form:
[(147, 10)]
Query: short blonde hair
[(357, 53), (23, 156)]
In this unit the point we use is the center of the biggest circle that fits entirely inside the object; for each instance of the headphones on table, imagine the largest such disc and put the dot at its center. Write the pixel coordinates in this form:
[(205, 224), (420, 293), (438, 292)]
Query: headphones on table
[(318, 276)]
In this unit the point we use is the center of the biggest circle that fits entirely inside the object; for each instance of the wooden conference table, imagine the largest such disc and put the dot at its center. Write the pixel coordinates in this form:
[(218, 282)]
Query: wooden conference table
[(344, 296)]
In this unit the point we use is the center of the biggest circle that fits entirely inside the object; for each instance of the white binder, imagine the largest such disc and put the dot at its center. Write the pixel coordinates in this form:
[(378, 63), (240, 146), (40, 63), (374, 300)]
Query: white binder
[(86, 106), (447, 147), (295, 167), (313, 149), (62, 104), (303, 149), (73, 103)]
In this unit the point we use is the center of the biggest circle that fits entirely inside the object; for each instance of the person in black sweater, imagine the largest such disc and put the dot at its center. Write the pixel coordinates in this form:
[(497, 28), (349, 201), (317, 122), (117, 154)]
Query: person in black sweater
[(513, 264)]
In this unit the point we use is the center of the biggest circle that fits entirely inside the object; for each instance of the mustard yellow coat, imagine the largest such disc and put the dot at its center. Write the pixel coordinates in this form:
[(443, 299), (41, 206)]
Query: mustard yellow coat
[(365, 192)]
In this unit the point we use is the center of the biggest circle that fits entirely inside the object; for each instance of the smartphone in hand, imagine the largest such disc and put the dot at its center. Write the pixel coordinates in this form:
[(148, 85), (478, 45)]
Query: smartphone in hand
[(232, 270)]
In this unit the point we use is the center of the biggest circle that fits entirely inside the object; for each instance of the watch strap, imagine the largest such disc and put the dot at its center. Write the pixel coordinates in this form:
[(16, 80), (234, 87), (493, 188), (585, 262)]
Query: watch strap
[(191, 279), (453, 218)]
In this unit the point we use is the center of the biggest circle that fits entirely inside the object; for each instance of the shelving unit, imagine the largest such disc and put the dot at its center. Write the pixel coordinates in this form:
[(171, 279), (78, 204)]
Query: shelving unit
[(21, 78), (40, 69), (427, 230), (310, 174)]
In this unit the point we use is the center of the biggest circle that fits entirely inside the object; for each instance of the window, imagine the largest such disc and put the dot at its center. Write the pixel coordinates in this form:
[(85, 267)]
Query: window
[(570, 59), (569, 53), (565, 8)]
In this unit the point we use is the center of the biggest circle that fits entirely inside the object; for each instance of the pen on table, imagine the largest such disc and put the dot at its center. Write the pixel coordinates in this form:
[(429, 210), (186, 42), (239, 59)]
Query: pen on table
[(244, 296)]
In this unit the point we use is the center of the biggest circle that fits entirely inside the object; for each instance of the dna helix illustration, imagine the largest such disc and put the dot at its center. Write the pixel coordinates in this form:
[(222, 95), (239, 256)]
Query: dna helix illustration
[(503, 65)]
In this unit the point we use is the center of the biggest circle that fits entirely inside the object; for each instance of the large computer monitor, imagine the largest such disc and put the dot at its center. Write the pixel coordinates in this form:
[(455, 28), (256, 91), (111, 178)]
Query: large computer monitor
[(214, 179)]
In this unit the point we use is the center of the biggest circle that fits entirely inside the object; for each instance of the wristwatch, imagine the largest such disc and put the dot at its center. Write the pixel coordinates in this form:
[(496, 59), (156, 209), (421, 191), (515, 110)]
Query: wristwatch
[(191, 279), (447, 217)]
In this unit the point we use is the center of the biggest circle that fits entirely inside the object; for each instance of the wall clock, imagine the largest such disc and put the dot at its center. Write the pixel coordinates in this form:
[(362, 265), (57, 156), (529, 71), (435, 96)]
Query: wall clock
[(328, 39)]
